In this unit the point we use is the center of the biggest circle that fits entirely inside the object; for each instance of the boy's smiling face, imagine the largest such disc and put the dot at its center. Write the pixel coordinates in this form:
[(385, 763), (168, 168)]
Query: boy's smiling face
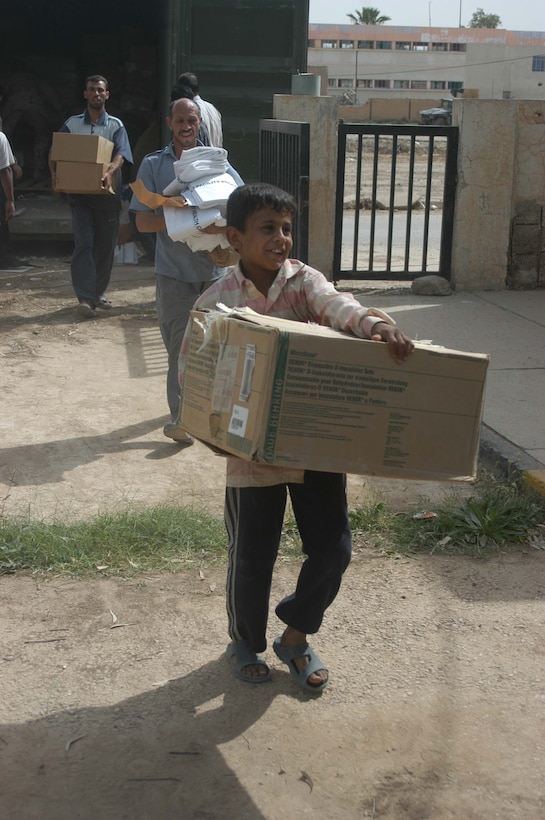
[(264, 244)]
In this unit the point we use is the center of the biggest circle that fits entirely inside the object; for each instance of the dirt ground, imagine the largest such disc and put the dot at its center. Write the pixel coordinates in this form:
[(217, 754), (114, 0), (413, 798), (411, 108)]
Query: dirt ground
[(436, 702)]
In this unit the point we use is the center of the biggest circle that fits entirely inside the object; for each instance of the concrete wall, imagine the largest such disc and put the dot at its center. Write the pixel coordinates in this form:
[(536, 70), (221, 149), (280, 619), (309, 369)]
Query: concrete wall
[(499, 222), (527, 250), (390, 110), (323, 116), (500, 195), (483, 193)]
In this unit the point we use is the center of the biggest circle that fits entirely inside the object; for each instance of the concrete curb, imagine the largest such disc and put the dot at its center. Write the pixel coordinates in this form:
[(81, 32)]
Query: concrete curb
[(501, 455), (535, 480)]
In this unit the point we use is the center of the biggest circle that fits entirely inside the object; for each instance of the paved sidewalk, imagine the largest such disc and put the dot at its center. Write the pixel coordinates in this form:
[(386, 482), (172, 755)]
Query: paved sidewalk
[(510, 327)]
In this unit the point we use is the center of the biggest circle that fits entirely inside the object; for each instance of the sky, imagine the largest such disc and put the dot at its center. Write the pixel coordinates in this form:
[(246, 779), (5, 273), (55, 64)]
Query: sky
[(524, 15)]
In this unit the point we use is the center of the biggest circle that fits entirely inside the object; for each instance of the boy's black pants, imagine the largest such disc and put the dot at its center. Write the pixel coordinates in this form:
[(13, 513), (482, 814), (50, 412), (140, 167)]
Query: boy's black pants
[(254, 517)]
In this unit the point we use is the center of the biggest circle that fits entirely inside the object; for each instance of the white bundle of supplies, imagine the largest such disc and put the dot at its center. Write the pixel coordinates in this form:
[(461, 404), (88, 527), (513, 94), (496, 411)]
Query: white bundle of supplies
[(202, 178)]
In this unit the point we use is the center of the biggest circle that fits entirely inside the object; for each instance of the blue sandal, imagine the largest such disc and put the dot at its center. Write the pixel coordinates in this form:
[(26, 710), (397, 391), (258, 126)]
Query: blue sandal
[(287, 655), (240, 655)]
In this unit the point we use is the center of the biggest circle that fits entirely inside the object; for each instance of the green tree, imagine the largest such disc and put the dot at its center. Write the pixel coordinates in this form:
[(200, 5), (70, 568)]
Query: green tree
[(482, 20), (368, 16)]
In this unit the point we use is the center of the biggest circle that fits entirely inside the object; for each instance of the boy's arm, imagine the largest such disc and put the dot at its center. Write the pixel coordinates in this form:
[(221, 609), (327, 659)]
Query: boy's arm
[(342, 311), (399, 345)]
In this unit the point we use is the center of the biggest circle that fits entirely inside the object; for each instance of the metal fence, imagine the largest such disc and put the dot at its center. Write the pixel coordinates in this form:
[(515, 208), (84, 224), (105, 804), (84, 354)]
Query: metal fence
[(284, 149), (394, 209)]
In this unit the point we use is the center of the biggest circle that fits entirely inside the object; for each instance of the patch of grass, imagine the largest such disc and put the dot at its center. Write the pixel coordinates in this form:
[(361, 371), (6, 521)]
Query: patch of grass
[(156, 538), (168, 537), (501, 513)]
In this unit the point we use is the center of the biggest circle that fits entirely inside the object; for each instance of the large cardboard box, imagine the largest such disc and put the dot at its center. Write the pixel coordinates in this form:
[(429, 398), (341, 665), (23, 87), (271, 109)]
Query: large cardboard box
[(288, 393), (81, 178), (81, 148)]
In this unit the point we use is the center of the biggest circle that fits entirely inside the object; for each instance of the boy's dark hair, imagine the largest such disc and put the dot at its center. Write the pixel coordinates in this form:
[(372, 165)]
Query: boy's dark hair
[(248, 199), (96, 78)]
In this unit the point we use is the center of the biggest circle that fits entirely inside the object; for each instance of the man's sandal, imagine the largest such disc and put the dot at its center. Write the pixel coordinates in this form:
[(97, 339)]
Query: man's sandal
[(239, 656), (104, 304), (288, 654), (85, 309)]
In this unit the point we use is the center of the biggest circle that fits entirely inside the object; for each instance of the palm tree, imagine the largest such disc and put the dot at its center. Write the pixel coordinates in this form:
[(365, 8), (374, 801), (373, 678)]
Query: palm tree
[(368, 16)]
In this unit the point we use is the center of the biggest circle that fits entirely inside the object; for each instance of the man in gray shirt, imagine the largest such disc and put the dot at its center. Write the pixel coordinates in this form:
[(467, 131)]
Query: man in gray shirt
[(181, 274)]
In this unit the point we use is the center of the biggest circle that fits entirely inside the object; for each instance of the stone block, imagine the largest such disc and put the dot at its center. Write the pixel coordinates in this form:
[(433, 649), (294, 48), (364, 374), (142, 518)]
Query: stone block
[(524, 270), (431, 285), (526, 239), (528, 213)]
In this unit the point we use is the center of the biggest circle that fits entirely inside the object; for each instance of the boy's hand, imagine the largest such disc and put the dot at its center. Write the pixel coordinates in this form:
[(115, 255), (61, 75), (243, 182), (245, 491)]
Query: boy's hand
[(399, 345)]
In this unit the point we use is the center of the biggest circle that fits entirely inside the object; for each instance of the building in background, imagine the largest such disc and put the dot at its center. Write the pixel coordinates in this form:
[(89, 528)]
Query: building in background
[(366, 62)]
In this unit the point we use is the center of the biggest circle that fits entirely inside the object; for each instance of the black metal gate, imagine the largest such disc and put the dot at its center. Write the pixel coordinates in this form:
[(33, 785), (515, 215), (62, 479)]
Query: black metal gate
[(394, 208), (284, 149)]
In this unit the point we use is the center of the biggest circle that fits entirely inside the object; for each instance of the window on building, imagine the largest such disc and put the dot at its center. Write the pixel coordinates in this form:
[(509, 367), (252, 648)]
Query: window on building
[(538, 63), (329, 43), (366, 43), (401, 45), (365, 83), (421, 47), (454, 86), (401, 84), (419, 84), (310, 43), (382, 83), (384, 44), (438, 84), (347, 43), (439, 46), (458, 47), (345, 82), (332, 82)]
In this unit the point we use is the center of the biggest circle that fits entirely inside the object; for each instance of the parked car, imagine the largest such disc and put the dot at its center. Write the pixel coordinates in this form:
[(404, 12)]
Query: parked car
[(438, 116)]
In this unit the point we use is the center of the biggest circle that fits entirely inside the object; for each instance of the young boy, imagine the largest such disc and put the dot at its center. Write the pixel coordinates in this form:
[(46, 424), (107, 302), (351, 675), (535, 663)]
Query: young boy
[(259, 228)]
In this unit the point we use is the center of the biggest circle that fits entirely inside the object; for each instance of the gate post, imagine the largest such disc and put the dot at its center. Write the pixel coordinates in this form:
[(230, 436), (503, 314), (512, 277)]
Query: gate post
[(487, 162), (323, 115)]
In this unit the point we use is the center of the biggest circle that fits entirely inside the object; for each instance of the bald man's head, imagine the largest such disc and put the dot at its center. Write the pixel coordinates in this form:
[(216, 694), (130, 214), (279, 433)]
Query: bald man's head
[(184, 122)]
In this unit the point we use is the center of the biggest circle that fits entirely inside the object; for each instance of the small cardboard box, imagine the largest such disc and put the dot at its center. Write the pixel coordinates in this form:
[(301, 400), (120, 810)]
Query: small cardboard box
[(81, 148), (81, 178), (300, 395)]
